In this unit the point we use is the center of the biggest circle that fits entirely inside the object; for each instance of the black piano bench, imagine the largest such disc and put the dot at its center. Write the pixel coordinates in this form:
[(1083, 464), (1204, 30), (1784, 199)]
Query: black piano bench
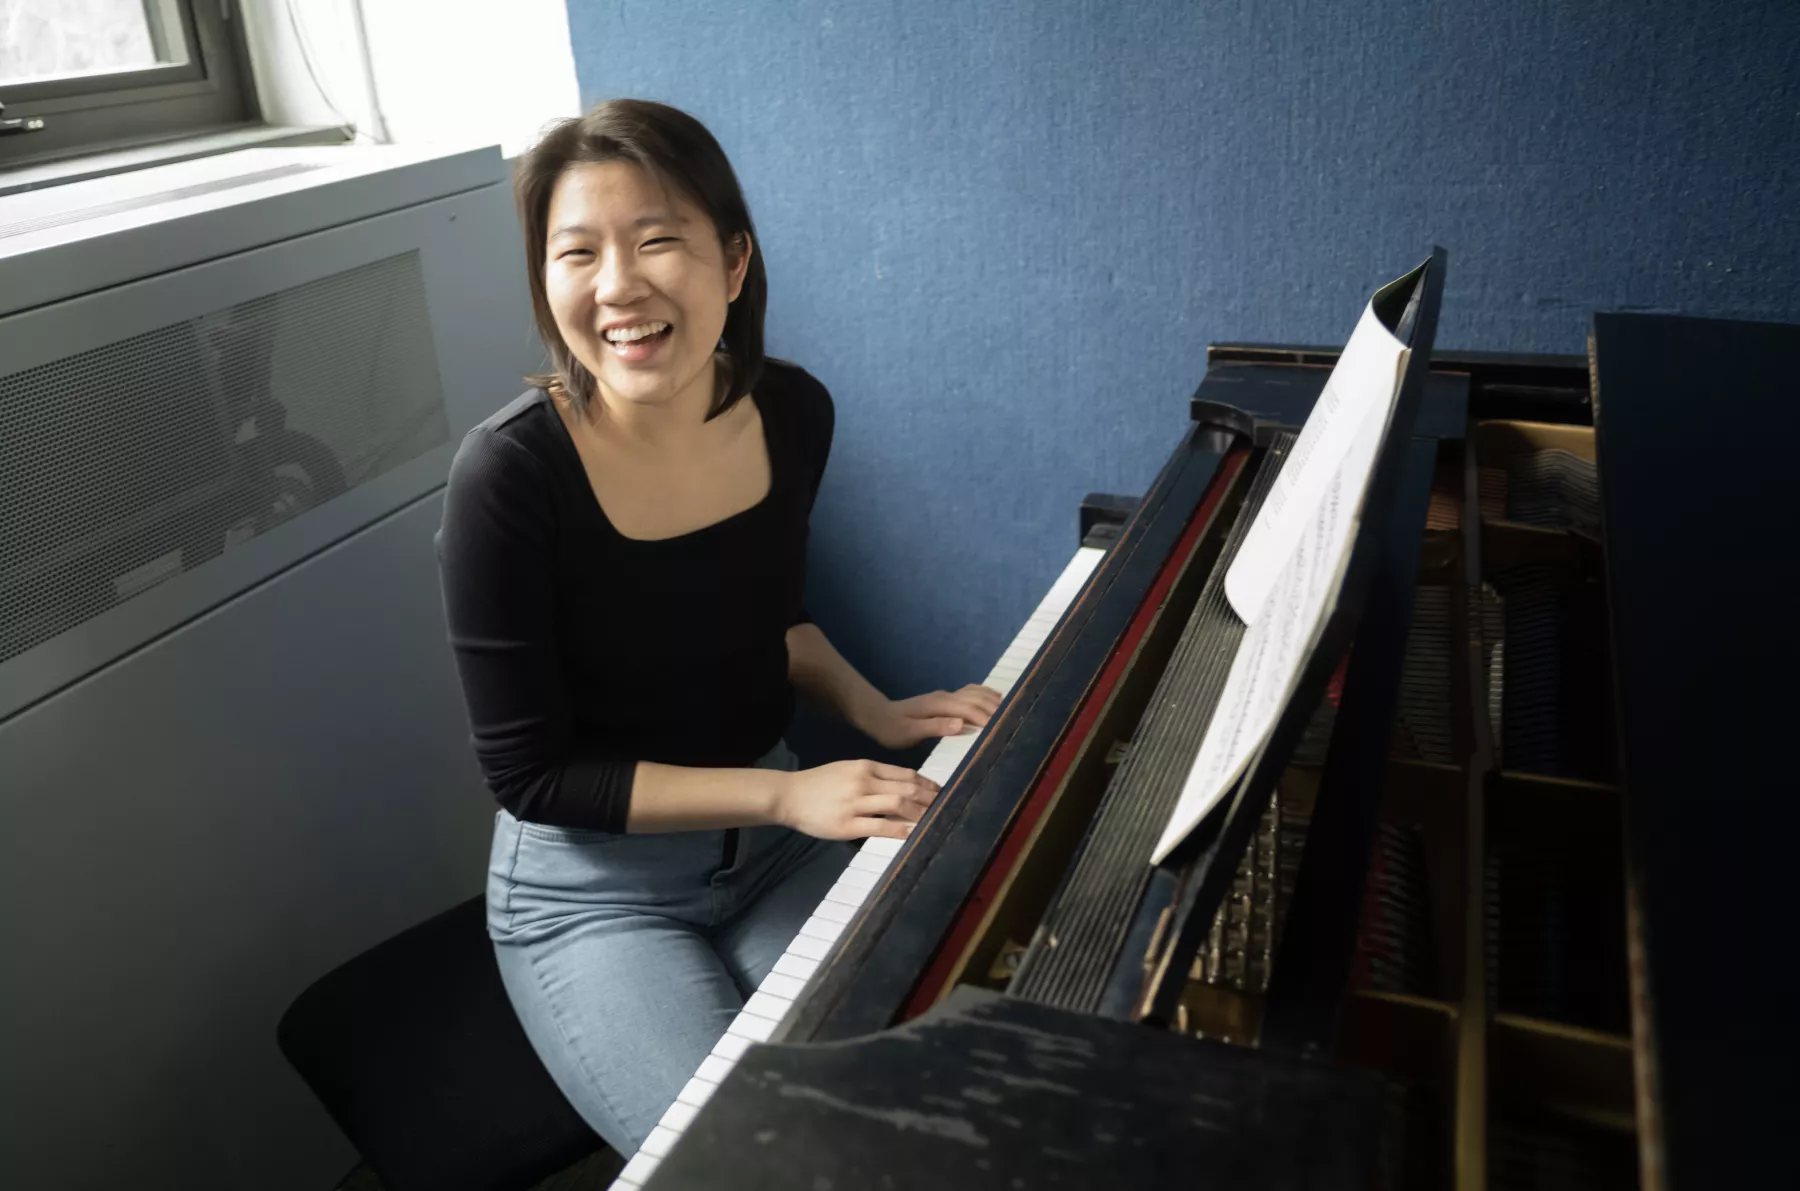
[(414, 1050)]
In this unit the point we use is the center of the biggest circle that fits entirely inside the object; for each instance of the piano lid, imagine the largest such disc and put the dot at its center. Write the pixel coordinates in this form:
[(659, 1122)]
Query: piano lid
[(1697, 422), (988, 1091)]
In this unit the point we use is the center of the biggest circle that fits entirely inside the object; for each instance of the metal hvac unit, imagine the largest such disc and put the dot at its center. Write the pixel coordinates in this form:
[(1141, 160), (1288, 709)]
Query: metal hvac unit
[(232, 750), (211, 369)]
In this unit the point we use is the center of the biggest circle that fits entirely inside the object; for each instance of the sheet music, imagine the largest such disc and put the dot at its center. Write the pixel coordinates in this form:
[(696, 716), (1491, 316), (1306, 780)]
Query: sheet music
[(1365, 378), (1301, 547)]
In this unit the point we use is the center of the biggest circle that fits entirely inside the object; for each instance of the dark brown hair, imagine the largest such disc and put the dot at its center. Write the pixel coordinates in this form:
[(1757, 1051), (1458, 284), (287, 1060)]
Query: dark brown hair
[(676, 149)]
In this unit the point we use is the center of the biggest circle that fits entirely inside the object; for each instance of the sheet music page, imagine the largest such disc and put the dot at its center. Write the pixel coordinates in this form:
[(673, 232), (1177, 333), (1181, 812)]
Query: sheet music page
[(1278, 638), (1366, 377), (1294, 583)]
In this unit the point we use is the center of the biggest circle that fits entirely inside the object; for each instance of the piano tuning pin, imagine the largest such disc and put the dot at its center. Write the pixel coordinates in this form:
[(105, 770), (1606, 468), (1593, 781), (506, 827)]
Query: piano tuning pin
[(1006, 964)]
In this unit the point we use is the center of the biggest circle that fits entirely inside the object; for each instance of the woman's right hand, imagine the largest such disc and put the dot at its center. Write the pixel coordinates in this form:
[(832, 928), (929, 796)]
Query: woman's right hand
[(853, 800)]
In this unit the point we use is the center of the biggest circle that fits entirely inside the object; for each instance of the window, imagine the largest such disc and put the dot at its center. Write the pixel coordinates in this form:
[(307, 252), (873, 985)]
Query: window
[(79, 76)]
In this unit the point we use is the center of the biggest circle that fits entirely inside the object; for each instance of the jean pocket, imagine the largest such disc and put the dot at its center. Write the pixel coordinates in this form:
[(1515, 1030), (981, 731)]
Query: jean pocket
[(561, 870)]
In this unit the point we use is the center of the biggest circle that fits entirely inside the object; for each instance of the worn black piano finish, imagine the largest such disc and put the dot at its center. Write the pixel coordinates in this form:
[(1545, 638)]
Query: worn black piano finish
[(992, 1091), (995, 1090)]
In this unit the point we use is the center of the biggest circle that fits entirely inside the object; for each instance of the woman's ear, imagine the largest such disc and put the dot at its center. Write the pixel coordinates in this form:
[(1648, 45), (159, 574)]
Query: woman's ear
[(737, 264)]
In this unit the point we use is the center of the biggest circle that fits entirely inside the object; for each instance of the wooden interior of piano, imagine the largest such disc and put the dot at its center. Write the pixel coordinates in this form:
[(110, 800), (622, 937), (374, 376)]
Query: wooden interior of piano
[(1511, 1047)]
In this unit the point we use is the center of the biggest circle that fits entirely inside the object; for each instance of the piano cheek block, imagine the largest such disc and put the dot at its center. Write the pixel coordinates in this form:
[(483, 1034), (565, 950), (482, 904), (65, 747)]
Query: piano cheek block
[(990, 1091)]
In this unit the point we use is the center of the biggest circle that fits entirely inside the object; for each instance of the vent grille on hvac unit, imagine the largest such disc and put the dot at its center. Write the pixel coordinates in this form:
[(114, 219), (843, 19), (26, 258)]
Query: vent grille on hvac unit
[(126, 464)]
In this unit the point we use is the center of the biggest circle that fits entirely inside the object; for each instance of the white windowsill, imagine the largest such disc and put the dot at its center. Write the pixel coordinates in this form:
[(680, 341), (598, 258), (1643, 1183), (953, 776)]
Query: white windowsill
[(117, 161)]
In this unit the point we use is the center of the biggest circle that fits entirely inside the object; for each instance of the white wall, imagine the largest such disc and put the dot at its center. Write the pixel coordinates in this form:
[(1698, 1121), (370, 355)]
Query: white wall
[(450, 71)]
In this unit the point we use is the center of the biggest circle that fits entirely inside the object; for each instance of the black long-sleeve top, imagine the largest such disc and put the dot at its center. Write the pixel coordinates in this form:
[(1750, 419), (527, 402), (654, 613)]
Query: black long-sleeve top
[(582, 651)]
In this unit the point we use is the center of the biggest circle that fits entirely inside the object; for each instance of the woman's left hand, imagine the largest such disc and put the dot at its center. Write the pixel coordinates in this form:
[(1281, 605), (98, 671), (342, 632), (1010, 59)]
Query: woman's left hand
[(903, 723)]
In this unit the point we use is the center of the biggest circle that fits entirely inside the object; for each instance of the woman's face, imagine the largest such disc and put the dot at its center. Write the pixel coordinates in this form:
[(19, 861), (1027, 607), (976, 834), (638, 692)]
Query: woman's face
[(638, 282)]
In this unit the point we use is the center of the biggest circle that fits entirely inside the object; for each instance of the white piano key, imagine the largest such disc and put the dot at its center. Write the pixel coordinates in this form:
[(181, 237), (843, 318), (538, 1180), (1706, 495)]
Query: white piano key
[(678, 1117), (780, 984), (714, 1069), (809, 947), (695, 1091), (769, 1005), (868, 862), (941, 769), (638, 1170), (881, 845), (730, 1048), (660, 1141), (795, 965), (749, 1025), (859, 878), (867, 866), (847, 895), (832, 911), (827, 929)]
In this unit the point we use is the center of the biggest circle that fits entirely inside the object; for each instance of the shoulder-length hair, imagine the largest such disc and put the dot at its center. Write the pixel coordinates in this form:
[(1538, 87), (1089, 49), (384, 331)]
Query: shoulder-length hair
[(676, 149)]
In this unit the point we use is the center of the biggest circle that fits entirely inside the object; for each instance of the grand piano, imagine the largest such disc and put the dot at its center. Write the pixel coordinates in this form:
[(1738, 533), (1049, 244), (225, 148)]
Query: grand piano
[(1484, 911)]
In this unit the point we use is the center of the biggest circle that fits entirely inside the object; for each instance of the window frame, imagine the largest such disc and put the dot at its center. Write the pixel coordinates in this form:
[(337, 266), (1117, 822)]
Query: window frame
[(98, 112)]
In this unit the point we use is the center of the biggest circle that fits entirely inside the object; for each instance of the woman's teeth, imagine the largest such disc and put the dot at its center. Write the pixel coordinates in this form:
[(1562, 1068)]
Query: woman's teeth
[(635, 334)]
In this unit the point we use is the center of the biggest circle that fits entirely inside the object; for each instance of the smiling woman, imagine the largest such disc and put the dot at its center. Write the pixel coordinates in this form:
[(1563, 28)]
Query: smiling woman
[(629, 196), (621, 242), (623, 555)]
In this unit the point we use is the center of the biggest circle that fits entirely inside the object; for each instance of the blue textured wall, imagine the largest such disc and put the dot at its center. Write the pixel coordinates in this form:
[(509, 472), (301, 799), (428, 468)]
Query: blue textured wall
[(1004, 233)]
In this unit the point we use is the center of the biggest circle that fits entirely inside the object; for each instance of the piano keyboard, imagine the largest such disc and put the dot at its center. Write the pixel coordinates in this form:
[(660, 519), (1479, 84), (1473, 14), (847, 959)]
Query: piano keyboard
[(769, 1005)]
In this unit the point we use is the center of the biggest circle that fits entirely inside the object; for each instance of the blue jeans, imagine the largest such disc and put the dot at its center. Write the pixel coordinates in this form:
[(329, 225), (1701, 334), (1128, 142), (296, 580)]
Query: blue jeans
[(626, 956)]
